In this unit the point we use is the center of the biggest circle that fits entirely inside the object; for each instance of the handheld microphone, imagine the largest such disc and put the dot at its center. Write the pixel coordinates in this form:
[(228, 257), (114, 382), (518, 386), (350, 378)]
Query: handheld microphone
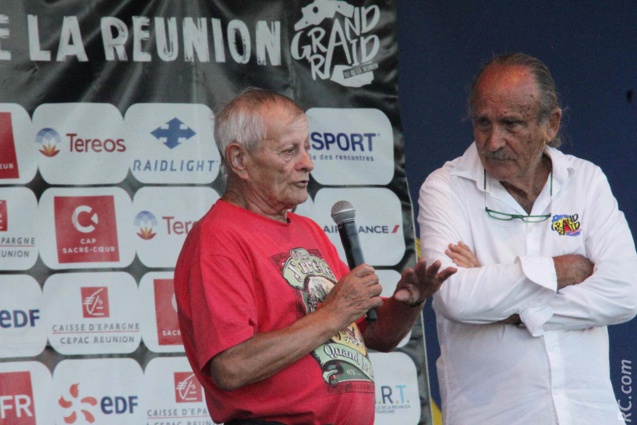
[(343, 214)]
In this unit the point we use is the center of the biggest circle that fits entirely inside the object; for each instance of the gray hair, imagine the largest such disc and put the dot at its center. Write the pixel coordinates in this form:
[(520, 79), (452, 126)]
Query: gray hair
[(549, 99), (242, 119)]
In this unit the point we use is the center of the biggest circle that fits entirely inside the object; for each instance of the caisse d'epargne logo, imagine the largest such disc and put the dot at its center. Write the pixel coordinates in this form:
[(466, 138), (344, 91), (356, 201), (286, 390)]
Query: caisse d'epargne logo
[(86, 229)]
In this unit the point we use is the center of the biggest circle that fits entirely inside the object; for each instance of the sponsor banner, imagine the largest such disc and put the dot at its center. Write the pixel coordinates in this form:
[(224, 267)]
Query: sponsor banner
[(172, 394), (25, 389), (22, 329), (18, 241), (18, 162), (397, 393), (83, 228), (351, 146), (163, 218), (106, 134), (92, 313), (172, 143), (80, 143), (88, 391), (160, 327), (378, 218)]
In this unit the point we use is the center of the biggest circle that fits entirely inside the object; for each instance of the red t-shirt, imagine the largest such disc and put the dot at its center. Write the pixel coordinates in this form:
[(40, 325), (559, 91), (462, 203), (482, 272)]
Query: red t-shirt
[(239, 274)]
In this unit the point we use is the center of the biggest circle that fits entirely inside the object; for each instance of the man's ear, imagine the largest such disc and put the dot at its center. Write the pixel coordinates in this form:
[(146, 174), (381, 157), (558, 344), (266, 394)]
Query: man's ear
[(236, 157), (554, 121)]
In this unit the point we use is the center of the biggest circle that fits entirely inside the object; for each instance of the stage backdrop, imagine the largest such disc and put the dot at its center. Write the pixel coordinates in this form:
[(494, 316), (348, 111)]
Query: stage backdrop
[(107, 159)]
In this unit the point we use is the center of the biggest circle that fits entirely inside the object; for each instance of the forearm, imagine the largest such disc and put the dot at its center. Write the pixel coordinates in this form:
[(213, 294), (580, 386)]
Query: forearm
[(493, 293), (265, 354), (608, 297), (395, 320)]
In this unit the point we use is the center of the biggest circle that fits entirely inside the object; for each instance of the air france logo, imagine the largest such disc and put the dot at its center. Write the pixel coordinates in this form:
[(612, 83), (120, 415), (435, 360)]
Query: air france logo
[(8, 159), (95, 302), (187, 388), (173, 133), (4, 218), (168, 332), (49, 139), (372, 229), (16, 399), (349, 39), (86, 229), (145, 221), (74, 405), (566, 225)]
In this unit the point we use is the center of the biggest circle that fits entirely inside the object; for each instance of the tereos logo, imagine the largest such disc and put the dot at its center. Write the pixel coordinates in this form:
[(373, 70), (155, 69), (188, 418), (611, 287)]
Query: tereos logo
[(49, 139), (343, 52), (145, 221)]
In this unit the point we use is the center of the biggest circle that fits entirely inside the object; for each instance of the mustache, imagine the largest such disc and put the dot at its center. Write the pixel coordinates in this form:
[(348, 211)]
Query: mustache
[(500, 155)]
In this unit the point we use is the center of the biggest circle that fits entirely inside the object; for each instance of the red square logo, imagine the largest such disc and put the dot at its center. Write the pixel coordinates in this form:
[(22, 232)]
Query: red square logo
[(187, 388), (8, 159), (95, 302), (4, 219), (86, 229), (16, 399), (168, 332)]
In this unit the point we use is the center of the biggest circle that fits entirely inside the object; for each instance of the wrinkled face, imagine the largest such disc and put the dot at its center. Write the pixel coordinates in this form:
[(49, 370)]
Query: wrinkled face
[(279, 169), (509, 137)]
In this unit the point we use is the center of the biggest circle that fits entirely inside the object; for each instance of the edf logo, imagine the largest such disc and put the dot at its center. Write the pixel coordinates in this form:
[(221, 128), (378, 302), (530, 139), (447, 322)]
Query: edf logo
[(76, 405), (18, 318)]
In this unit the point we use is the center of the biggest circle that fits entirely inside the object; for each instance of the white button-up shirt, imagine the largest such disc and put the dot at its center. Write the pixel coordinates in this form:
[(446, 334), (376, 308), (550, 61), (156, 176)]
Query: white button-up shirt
[(553, 369)]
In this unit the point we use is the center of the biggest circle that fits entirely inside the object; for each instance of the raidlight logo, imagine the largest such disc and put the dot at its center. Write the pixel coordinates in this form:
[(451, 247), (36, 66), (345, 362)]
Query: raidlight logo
[(49, 139), (8, 159), (95, 302), (74, 405), (4, 218), (349, 39), (173, 133), (145, 221), (16, 399), (86, 229), (187, 388), (168, 332)]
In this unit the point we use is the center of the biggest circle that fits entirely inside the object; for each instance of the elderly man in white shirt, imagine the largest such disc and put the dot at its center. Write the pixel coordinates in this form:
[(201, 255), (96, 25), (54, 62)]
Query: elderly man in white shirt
[(547, 262)]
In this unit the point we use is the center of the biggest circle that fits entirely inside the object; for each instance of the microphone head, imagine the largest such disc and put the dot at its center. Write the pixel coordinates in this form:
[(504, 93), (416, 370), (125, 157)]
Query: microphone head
[(342, 212)]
